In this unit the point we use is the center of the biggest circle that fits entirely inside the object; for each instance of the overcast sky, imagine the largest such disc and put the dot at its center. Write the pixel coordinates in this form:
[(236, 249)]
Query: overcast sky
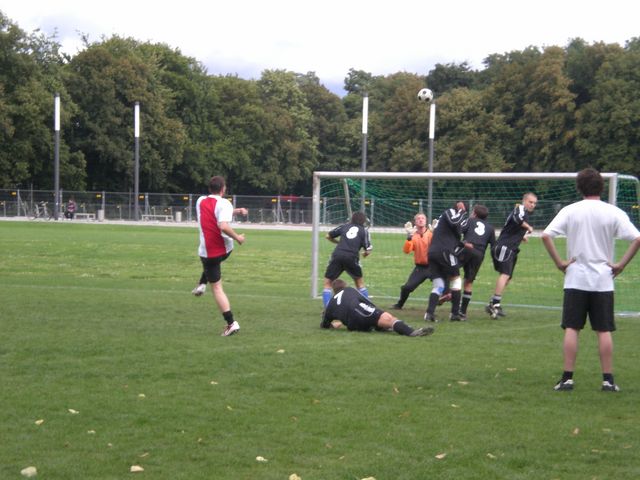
[(329, 37)]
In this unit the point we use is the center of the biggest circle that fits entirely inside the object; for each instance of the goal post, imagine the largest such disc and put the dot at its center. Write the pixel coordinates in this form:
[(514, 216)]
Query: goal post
[(390, 199)]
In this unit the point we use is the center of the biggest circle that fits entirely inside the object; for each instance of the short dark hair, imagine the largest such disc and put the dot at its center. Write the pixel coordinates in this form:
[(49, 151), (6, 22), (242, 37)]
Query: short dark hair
[(458, 202), (589, 182), (338, 285), (481, 211), (216, 184), (359, 218)]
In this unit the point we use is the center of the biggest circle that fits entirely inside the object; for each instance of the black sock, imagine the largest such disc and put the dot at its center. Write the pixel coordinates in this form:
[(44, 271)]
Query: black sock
[(228, 317), (466, 298), (567, 376), (455, 302), (496, 299), (433, 301), (402, 328), (608, 377)]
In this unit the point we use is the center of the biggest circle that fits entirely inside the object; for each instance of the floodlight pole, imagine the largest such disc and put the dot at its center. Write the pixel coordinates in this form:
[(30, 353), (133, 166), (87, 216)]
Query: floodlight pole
[(56, 156), (365, 121), (136, 175), (432, 131)]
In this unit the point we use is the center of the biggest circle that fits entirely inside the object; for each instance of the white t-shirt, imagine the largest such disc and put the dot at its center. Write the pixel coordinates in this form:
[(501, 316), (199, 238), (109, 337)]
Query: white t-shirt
[(591, 227)]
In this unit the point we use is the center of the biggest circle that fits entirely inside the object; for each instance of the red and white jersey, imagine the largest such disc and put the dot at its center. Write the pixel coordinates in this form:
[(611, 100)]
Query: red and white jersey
[(210, 211)]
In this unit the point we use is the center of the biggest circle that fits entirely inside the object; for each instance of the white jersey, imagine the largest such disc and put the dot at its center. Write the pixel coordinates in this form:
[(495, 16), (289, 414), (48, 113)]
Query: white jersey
[(591, 226)]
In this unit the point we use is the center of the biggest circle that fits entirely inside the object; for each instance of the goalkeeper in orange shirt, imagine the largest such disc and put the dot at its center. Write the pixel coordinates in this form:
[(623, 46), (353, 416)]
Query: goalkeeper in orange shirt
[(418, 240)]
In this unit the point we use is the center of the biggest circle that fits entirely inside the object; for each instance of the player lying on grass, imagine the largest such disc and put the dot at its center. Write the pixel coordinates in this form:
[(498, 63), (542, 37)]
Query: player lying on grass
[(350, 308)]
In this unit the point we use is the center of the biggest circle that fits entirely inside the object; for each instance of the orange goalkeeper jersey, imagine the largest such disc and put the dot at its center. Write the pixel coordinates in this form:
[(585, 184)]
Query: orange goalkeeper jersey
[(419, 245)]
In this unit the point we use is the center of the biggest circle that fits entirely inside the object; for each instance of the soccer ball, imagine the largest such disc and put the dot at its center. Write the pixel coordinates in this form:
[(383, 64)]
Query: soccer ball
[(425, 95)]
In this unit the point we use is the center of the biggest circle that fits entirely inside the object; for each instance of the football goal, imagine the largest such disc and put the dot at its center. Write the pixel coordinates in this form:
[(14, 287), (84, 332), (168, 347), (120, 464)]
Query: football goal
[(391, 199)]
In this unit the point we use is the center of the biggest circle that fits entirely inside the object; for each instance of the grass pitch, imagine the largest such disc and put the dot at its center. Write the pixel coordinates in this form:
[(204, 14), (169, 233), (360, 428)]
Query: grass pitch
[(99, 320)]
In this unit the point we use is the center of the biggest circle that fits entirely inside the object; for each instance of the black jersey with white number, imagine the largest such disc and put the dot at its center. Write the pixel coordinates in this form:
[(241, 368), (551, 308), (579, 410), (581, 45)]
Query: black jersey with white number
[(349, 305), (353, 237), (512, 232), (448, 232), (480, 233)]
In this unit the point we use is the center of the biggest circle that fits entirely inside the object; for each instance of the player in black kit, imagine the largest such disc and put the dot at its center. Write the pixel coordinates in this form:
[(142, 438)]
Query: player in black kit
[(444, 250), (479, 234), (349, 308), (346, 256), (505, 252)]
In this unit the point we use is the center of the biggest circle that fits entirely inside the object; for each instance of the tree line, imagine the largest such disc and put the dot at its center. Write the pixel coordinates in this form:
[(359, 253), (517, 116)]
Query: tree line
[(552, 109)]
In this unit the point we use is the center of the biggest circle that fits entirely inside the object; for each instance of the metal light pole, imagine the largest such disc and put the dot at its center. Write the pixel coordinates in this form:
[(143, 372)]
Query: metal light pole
[(365, 122), (136, 175), (56, 156), (432, 131)]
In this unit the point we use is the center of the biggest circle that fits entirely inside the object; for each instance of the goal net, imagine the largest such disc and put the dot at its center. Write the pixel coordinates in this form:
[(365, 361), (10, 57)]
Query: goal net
[(391, 199)]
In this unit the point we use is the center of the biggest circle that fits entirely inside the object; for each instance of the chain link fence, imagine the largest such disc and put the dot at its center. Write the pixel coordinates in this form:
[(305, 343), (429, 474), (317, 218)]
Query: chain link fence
[(158, 207)]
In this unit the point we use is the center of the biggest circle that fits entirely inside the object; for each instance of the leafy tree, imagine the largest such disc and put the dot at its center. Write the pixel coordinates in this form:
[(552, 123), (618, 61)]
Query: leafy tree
[(327, 123), (239, 118), (191, 102), (358, 81), (470, 138), (399, 124), (530, 90), (30, 74), (445, 77), (609, 125), (583, 63), (105, 80), (288, 152)]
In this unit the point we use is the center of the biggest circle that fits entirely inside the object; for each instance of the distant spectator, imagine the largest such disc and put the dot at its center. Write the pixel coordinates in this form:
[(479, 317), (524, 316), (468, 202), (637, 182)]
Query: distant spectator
[(70, 211)]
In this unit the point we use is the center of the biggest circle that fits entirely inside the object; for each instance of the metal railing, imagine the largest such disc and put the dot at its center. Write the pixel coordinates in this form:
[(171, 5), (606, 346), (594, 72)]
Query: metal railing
[(38, 204)]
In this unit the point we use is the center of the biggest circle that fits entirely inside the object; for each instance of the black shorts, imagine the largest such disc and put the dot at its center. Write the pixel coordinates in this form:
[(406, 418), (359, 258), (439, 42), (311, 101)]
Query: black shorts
[(578, 304), (339, 264), (471, 264), (363, 318), (504, 259), (211, 267), (444, 265)]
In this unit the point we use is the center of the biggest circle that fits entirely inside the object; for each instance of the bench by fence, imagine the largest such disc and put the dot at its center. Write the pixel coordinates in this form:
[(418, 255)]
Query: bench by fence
[(166, 218), (85, 216)]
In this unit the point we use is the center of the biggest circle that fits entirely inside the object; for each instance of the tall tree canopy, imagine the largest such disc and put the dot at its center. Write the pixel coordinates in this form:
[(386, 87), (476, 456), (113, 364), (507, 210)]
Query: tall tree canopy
[(550, 109)]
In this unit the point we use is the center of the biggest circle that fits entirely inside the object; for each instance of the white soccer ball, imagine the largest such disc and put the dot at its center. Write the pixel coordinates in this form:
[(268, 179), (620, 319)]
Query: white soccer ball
[(425, 95)]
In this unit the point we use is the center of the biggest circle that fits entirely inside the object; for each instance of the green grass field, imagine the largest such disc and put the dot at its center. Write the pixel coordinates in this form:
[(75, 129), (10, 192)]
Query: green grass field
[(99, 319)]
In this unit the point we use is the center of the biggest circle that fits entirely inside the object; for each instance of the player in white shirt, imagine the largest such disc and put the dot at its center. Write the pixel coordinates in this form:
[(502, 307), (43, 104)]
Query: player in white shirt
[(591, 227)]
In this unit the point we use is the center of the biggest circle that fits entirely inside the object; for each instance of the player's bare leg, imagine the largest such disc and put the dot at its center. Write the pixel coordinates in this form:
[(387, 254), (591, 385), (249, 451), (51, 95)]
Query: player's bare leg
[(570, 348), (389, 322), (225, 307), (605, 348), (220, 297)]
